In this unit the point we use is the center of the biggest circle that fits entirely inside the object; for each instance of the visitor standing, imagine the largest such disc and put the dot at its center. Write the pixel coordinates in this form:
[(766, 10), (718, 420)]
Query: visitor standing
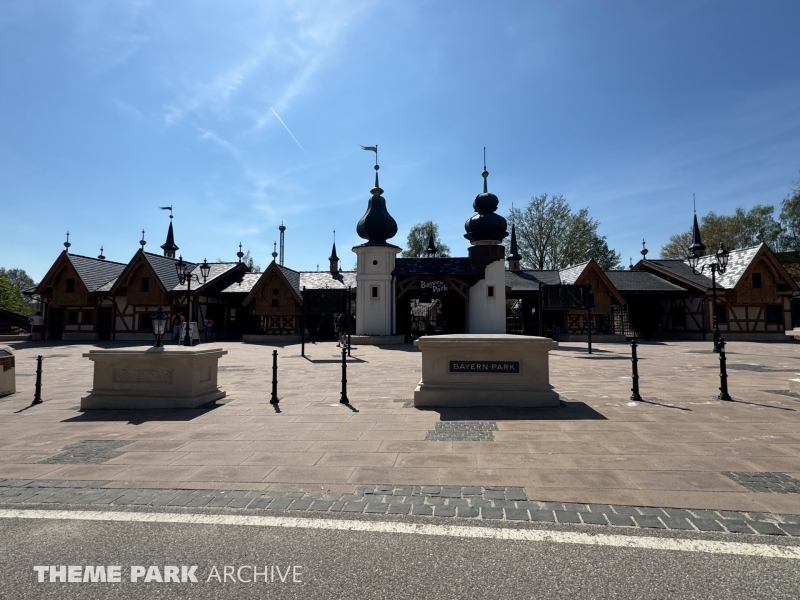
[(341, 329)]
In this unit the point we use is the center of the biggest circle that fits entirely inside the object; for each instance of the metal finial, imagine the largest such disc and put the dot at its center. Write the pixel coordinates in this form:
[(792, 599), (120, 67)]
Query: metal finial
[(101, 257), (67, 244), (485, 173), (274, 251), (142, 242), (644, 250), (694, 203)]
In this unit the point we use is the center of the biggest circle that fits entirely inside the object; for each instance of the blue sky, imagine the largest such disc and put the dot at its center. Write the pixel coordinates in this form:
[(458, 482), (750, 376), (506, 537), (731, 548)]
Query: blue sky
[(111, 109)]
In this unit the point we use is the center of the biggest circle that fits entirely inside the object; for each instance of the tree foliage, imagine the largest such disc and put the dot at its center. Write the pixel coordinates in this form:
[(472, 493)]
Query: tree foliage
[(790, 221), (551, 236), (11, 298), (417, 241), (21, 281), (249, 262)]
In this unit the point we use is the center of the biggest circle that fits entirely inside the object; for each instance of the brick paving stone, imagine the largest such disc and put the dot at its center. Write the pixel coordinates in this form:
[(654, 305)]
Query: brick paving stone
[(451, 492), (244, 501), (337, 506), (766, 528), (399, 509), (478, 502), (494, 494), (628, 511), (219, 500), (363, 489), (471, 491), (144, 498), (517, 514), (619, 520), (321, 505), (182, 499), (593, 518), (504, 503), (736, 526), (574, 507), (487, 512), (456, 502), (413, 499), (795, 519), (435, 501), (545, 516), (567, 516), (677, 523), (421, 509), (553, 505), (280, 503), (649, 521), (402, 491), (429, 490), (707, 524), (516, 494), (730, 514), (444, 511), (678, 513), (651, 511), (301, 504), (354, 507), (470, 513), (376, 507), (705, 514), (791, 528)]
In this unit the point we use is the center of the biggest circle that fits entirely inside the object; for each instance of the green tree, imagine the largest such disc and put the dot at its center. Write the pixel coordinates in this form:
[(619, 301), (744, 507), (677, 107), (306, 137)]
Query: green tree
[(551, 236), (11, 298), (248, 260), (790, 221), (417, 241), (677, 245), (21, 281)]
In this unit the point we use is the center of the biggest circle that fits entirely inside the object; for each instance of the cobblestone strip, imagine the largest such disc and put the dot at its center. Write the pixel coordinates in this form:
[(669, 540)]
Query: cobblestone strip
[(467, 502), (462, 431), (776, 483), (87, 452)]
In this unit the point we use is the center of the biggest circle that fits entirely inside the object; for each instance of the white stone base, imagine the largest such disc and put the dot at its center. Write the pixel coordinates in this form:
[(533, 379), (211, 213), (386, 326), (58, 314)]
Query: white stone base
[(377, 340), (8, 378), (794, 385), (169, 377), (526, 384), (795, 333)]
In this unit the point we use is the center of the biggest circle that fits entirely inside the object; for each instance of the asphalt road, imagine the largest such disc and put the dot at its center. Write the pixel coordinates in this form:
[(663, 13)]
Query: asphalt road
[(378, 564)]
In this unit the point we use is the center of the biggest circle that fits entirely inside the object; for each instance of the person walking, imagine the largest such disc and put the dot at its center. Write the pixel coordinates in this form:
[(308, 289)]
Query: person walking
[(37, 324), (341, 329), (177, 327), (209, 325)]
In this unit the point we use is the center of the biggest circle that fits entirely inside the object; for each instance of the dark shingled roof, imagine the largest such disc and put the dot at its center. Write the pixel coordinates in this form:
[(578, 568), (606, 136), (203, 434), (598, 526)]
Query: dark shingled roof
[(680, 269), (216, 270), (641, 281), (433, 266), (243, 285), (95, 273), (292, 276), (323, 280), (738, 261), (529, 280), (570, 275), (164, 268)]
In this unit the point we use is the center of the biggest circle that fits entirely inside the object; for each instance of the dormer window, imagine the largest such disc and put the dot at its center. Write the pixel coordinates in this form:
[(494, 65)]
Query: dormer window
[(145, 284), (70, 285), (756, 281)]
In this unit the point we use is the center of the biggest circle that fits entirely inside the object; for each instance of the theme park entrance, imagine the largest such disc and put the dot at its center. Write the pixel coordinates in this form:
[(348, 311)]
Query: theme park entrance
[(320, 310), (431, 305)]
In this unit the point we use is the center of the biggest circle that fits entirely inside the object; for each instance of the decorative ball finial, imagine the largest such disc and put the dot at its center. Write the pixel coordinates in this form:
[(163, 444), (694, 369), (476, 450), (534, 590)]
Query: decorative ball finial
[(67, 244), (274, 252), (101, 257), (142, 242), (644, 250), (240, 254)]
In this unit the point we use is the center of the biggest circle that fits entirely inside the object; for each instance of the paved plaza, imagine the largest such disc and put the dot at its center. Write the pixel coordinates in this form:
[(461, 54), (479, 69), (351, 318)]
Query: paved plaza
[(680, 449)]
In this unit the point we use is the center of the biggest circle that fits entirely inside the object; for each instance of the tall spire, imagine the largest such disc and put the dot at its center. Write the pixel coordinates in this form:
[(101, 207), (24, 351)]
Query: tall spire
[(282, 229), (431, 249), (169, 246), (485, 174), (67, 244), (513, 257), (334, 260), (697, 248), (377, 225)]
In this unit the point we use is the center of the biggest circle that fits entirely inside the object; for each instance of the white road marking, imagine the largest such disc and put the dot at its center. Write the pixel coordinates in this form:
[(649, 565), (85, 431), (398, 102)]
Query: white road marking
[(459, 531)]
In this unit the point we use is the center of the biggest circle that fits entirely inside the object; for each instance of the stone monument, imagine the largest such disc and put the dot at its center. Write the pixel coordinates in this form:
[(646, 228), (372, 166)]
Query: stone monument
[(485, 370), (167, 377), (8, 380)]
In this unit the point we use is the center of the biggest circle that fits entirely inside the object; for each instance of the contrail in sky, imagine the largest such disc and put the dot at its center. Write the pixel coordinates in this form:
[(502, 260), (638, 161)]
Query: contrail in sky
[(285, 127)]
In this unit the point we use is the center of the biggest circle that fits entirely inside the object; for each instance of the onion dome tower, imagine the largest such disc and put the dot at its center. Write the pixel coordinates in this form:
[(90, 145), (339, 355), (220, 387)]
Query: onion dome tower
[(513, 257), (486, 312), (377, 225), (375, 294)]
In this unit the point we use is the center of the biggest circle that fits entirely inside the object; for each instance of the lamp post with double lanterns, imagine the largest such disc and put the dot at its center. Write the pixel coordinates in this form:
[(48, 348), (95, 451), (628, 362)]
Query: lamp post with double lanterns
[(716, 267), (186, 276)]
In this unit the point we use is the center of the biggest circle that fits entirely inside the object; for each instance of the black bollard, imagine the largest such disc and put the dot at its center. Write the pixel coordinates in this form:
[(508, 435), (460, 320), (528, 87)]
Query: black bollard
[(723, 373), (635, 377), (344, 399), (274, 399), (37, 394)]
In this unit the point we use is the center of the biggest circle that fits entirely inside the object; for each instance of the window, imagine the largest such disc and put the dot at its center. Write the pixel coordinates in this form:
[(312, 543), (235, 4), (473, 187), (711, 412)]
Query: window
[(275, 302), (86, 317), (72, 317), (145, 323), (679, 317), (782, 287), (374, 291), (145, 284), (773, 314), (275, 292), (70, 285), (721, 313), (756, 281), (490, 291)]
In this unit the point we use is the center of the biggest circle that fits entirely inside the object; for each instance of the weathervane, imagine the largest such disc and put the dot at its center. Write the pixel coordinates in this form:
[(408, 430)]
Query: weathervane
[(169, 208)]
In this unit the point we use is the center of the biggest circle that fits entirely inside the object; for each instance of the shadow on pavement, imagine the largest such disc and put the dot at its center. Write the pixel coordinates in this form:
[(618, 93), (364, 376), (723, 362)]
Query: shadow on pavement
[(568, 411), (137, 417)]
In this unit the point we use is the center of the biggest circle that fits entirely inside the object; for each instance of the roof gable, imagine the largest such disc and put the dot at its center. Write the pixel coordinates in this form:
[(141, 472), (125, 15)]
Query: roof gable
[(580, 274), (281, 272), (94, 273)]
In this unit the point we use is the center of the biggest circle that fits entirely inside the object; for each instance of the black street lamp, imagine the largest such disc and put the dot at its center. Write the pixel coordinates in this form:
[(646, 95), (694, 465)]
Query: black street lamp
[(718, 266), (159, 322), (186, 276)]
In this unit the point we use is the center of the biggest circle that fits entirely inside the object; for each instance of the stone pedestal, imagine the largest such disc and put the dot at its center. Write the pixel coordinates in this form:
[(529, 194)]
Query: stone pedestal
[(169, 377), (794, 385), (8, 378), (795, 333), (485, 370)]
